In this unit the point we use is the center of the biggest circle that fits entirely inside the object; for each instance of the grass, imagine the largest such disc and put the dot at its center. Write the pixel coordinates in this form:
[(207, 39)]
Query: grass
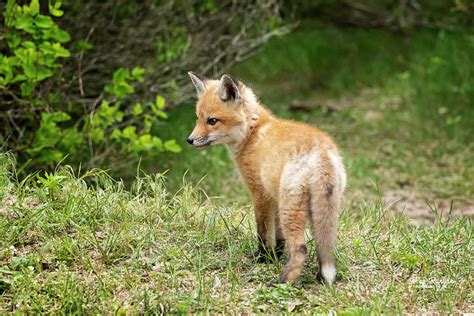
[(84, 244), (179, 243)]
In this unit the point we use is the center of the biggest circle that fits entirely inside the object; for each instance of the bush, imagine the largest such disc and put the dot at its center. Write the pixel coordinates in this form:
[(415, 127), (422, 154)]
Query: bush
[(57, 101), (41, 126)]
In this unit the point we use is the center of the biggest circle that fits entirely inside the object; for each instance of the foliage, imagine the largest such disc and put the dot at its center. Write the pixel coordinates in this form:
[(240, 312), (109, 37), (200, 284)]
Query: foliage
[(35, 42), (52, 109), (34, 51)]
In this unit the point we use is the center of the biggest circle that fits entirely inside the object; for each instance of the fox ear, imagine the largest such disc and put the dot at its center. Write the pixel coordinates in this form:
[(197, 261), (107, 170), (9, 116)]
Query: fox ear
[(228, 89), (198, 82)]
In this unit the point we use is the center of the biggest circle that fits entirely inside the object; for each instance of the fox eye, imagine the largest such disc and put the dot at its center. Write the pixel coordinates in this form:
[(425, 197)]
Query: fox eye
[(212, 121)]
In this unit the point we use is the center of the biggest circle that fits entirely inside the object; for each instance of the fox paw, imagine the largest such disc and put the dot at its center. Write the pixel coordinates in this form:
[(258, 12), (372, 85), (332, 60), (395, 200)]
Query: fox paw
[(274, 283)]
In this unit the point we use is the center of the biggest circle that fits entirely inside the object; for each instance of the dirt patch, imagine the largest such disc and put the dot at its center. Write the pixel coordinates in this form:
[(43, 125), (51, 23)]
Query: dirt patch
[(9, 202), (5, 203), (423, 210)]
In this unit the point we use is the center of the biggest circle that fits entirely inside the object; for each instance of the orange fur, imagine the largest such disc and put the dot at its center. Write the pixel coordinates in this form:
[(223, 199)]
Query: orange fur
[(293, 170)]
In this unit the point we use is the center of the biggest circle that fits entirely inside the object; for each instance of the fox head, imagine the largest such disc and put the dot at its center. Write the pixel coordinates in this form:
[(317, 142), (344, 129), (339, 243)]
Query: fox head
[(223, 112)]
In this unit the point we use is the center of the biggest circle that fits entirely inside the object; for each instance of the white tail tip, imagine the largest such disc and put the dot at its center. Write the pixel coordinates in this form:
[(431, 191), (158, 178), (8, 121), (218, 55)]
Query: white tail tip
[(329, 274)]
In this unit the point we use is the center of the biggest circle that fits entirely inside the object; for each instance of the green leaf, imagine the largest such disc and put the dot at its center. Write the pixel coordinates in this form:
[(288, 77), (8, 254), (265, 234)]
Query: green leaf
[(97, 135), (34, 7), (28, 44), (107, 115), (30, 70), (48, 134), (23, 21), (56, 117), (44, 73), (27, 88), (71, 140), (144, 143), (54, 9), (116, 134), (109, 89), (44, 21), (50, 156), (120, 75), (157, 143), (130, 132), (172, 146), (147, 122), (82, 45), (60, 51), (13, 40), (120, 87), (46, 47), (161, 114), (59, 35), (123, 89), (9, 12), (19, 78), (137, 109), (137, 74), (158, 106), (118, 116), (160, 102)]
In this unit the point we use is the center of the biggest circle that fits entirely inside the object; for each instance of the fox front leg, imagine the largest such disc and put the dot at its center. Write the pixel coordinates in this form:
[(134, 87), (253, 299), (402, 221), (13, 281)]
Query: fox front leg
[(270, 240)]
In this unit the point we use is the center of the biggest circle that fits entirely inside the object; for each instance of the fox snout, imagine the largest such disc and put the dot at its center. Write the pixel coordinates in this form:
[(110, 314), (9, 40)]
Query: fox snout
[(198, 137), (200, 141)]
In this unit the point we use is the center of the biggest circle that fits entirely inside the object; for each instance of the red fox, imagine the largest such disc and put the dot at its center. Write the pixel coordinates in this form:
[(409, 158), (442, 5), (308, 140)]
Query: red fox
[(294, 171)]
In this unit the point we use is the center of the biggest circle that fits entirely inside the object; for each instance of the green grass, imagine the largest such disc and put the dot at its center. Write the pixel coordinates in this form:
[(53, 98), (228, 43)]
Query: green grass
[(84, 244)]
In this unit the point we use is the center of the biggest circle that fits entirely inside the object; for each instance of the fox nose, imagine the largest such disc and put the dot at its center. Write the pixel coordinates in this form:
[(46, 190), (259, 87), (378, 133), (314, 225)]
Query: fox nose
[(190, 140)]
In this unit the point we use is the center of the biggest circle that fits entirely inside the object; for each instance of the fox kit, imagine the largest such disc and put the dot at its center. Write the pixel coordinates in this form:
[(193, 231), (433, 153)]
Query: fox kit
[(294, 171)]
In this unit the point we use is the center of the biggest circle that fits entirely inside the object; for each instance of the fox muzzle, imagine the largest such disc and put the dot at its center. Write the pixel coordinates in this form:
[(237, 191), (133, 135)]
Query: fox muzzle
[(201, 141)]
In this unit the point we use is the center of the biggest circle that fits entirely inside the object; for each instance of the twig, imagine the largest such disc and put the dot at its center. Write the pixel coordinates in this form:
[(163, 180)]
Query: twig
[(81, 55)]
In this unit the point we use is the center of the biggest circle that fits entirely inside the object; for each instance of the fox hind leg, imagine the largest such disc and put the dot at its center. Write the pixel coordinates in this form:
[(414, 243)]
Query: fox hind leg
[(292, 215)]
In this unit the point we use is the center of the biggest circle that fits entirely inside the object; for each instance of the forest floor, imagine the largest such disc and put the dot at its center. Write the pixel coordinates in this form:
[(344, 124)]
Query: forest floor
[(180, 243)]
